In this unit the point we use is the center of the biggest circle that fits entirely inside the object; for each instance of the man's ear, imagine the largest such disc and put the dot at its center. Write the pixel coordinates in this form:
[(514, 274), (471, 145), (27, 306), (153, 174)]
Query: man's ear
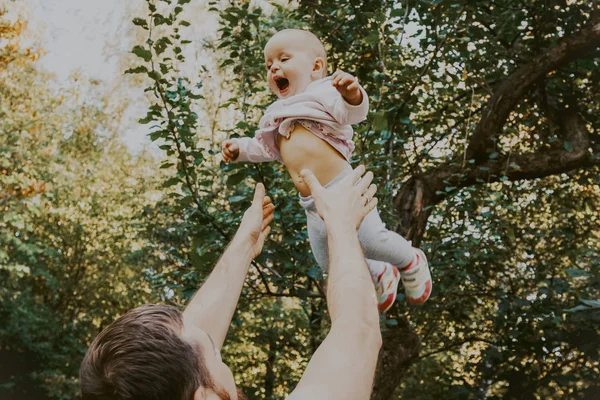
[(200, 394), (319, 68)]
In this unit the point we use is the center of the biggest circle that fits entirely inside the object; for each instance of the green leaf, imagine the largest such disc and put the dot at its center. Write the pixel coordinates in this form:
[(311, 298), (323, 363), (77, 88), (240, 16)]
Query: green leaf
[(397, 12), (161, 45), (236, 199), (578, 308), (137, 70), (372, 38), (380, 121), (591, 303), (157, 135), (577, 273), (184, 23), (161, 20), (143, 53), (154, 75), (237, 178), (227, 62), (568, 146), (141, 22), (171, 182), (315, 272)]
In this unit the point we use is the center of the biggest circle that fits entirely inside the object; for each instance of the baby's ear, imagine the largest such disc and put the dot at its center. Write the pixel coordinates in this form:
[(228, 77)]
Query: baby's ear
[(319, 68)]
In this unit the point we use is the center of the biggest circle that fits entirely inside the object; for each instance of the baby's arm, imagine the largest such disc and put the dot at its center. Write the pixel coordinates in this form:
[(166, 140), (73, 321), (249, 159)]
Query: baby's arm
[(245, 149), (353, 104), (348, 87)]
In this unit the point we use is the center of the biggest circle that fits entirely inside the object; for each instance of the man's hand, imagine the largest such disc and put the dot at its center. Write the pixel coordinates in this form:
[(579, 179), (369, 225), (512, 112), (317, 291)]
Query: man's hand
[(348, 87), (230, 150), (213, 306), (344, 365), (348, 202), (254, 227)]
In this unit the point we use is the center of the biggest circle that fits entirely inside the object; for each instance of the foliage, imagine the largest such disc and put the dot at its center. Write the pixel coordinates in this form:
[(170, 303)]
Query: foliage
[(512, 259), (71, 257), (514, 313)]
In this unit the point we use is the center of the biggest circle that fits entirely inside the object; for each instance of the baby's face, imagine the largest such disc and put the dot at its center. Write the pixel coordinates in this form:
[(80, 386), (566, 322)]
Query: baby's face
[(290, 62)]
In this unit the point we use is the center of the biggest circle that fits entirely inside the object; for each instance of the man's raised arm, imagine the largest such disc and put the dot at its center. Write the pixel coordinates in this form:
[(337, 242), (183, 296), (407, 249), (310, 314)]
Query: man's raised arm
[(343, 366), (212, 308)]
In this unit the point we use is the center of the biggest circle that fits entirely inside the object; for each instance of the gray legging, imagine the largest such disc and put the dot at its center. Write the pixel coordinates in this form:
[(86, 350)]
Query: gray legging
[(379, 244)]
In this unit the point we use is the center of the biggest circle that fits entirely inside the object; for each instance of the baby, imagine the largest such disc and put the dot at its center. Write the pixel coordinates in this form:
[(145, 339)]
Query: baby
[(309, 127)]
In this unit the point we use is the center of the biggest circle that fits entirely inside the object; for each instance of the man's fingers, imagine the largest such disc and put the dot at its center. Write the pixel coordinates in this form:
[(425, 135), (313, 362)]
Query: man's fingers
[(356, 174), (371, 205), (364, 182), (267, 221), (259, 194), (266, 200), (268, 210), (370, 193), (310, 179), (265, 233)]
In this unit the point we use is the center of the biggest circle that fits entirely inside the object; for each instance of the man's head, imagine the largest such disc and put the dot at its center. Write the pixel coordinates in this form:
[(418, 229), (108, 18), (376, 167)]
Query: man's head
[(294, 58), (149, 353)]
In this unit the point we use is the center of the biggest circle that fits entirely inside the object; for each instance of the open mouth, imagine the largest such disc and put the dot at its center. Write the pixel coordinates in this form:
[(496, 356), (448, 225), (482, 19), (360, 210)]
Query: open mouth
[(282, 84)]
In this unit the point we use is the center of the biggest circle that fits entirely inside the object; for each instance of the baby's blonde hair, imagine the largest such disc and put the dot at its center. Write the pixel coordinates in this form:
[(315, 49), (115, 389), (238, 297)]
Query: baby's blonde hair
[(313, 41)]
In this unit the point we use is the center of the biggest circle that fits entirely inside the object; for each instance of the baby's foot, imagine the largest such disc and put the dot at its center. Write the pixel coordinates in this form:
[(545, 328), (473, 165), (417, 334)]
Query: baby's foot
[(416, 279), (386, 284)]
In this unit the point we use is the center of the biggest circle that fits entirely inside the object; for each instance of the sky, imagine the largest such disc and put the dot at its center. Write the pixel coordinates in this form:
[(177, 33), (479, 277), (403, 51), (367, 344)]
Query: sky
[(75, 33), (91, 37)]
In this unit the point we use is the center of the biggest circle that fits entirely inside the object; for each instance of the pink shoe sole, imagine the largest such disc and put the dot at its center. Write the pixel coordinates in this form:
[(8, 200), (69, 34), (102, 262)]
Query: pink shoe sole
[(391, 289), (423, 298), (420, 267)]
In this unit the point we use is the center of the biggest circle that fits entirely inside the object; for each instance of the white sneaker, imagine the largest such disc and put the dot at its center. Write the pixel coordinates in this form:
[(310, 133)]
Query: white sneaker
[(416, 278)]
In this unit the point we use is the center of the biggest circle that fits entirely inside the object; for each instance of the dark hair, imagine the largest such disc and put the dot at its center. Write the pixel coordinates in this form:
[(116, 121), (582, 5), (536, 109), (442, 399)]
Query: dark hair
[(141, 356)]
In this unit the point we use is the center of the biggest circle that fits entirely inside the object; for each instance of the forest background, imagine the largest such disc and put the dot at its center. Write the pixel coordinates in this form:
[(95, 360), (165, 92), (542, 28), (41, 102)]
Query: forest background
[(483, 135)]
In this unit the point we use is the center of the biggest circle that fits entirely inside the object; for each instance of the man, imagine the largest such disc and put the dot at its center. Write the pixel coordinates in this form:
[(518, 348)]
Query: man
[(157, 352)]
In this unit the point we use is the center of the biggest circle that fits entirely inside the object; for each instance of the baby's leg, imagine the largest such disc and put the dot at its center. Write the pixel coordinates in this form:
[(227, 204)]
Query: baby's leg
[(382, 244), (317, 236)]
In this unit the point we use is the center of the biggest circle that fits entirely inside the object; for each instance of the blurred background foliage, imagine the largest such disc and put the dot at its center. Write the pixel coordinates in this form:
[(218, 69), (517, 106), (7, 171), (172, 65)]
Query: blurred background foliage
[(88, 230)]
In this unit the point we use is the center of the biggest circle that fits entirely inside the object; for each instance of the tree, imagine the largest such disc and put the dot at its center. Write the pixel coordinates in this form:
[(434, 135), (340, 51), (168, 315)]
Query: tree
[(483, 127), (72, 256)]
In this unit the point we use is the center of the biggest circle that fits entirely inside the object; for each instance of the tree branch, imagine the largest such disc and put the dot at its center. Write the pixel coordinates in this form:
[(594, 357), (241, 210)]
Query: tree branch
[(515, 86)]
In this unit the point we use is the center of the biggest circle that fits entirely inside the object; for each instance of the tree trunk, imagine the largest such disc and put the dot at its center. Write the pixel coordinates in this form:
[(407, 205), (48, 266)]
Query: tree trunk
[(401, 344)]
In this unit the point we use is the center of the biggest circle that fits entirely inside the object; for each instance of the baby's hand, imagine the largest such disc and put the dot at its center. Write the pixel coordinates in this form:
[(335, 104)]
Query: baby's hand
[(230, 150), (348, 86)]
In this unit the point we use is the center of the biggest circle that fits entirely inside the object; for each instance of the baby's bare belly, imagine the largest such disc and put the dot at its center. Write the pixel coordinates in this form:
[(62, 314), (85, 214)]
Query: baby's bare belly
[(305, 150)]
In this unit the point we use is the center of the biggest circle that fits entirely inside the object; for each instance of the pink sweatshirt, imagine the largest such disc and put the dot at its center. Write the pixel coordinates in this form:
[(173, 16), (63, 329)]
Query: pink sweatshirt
[(320, 109)]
